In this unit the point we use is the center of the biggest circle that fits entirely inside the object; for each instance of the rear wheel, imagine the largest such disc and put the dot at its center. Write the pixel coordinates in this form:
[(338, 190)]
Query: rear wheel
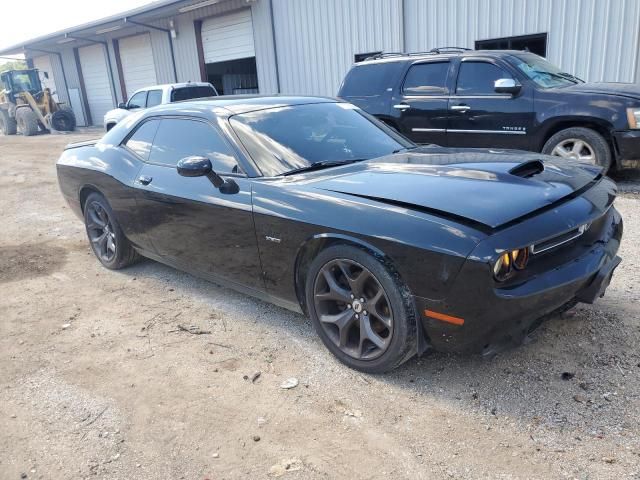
[(63, 120), (360, 309), (580, 143), (27, 121), (8, 125), (108, 242)]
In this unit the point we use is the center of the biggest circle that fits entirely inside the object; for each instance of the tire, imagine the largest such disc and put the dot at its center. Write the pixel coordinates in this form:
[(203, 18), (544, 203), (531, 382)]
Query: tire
[(8, 125), (390, 337), (568, 141), (109, 244), (27, 121), (63, 120)]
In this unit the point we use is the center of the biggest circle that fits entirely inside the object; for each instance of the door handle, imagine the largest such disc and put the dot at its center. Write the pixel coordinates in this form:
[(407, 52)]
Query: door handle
[(144, 179), (460, 108), (401, 106)]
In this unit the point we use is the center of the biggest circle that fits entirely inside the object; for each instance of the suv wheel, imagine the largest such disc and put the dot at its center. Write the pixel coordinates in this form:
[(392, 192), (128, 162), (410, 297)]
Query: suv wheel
[(579, 143), (360, 309)]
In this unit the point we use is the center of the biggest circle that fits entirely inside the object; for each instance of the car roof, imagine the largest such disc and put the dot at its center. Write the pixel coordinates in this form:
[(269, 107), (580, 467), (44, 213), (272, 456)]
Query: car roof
[(413, 57), (234, 104), (165, 86)]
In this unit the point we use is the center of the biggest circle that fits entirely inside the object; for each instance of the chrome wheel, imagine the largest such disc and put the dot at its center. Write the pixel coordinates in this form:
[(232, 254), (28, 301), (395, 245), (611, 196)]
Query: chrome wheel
[(575, 149), (101, 232), (353, 309)]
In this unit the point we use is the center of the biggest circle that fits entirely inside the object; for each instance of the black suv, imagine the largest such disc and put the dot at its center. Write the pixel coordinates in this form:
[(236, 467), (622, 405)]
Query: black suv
[(499, 98)]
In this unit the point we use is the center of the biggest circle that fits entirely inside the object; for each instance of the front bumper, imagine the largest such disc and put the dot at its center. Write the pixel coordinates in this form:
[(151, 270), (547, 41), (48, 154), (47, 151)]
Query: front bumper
[(498, 318), (627, 143)]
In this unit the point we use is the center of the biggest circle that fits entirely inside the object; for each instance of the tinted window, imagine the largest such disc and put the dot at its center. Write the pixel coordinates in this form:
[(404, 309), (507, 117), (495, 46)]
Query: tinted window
[(177, 139), (154, 98), (187, 93), (368, 80), (426, 79), (138, 100), (142, 139), (477, 78), (287, 138)]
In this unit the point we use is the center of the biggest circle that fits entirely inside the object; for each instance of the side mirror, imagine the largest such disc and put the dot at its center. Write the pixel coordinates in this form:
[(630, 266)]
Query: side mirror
[(201, 167), (506, 85), (122, 105)]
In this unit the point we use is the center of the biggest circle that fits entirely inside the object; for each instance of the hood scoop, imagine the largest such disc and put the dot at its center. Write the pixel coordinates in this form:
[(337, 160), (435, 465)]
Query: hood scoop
[(528, 169)]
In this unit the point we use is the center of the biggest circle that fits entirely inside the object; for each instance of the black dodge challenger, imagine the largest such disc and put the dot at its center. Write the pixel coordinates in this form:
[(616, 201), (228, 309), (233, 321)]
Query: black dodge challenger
[(312, 204)]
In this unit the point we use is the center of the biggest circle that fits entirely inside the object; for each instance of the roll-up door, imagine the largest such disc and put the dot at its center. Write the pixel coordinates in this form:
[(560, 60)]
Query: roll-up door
[(136, 58), (96, 81), (228, 37)]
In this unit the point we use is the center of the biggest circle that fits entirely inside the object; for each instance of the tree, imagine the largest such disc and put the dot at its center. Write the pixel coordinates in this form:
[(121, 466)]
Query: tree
[(13, 65)]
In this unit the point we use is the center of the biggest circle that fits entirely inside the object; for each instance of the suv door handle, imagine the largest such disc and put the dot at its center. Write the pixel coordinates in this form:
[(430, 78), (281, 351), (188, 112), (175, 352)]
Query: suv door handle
[(401, 106), (144, 179), (460, 108)]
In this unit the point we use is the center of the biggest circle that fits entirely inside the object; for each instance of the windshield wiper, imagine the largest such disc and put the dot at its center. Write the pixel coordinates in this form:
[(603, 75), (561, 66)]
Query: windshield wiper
[(404, 149), (561, 76), (320, 166)]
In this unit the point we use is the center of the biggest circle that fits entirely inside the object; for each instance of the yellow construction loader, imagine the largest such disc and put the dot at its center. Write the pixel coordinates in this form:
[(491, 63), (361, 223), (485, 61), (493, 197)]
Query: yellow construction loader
[(27, 108)]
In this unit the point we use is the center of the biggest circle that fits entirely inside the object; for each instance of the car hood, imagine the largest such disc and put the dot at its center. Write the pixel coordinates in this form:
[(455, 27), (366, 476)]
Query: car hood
[(631, 90), (118, 114), (482, 187)]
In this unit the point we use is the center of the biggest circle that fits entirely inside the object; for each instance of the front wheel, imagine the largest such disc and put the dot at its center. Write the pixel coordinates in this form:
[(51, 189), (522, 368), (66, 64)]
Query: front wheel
[(8, 124), (580, 143), (108, 242), (361, 310), (27, 121)]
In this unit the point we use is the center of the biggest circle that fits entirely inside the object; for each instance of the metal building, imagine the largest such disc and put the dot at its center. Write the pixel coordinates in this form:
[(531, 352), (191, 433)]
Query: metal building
[(306, 46)]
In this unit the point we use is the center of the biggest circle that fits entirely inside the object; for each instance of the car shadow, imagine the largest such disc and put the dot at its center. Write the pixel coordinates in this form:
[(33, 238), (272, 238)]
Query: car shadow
[(578, 371)]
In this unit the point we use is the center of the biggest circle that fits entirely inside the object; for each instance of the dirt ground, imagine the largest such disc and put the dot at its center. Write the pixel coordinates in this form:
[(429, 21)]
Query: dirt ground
[(98, 380)]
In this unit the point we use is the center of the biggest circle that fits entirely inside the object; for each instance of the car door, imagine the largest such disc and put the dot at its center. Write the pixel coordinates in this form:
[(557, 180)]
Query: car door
[(480, 117), (419, 107), (191, 223)]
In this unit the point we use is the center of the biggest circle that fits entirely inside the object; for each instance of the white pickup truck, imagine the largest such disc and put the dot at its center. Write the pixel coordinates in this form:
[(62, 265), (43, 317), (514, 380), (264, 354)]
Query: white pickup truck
[(151, 96)]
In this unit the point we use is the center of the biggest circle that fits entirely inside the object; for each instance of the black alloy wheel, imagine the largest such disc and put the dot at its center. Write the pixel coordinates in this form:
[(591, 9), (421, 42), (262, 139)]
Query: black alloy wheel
[(361, 310), (101, 232), (108, 242)]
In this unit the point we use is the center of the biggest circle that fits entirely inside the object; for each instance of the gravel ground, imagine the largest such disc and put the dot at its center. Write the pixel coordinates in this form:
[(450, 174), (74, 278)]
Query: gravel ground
[(97, 379)]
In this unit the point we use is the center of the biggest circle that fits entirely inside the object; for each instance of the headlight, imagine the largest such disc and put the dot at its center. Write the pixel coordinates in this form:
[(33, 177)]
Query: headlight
[(510, 261), (633, 115)]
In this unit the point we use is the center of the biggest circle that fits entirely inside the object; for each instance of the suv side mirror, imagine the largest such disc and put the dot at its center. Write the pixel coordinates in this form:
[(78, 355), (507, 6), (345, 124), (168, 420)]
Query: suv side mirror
[(122, 105), (201, 167), (506, 85)]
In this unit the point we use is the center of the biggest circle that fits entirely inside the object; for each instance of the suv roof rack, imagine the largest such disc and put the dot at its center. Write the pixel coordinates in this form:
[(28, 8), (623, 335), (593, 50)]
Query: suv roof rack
[(433, 51)]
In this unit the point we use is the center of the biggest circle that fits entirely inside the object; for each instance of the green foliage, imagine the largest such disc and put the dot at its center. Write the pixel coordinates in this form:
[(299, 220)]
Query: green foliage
[(15, 65)]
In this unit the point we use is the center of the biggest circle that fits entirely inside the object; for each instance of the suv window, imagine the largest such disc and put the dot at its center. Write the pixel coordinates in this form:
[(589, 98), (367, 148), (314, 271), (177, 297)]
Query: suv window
[(187, 93), (142, 139), (180, 138), (154, 98), (477, 78), (368, 80), (139, 100), (426, 79)]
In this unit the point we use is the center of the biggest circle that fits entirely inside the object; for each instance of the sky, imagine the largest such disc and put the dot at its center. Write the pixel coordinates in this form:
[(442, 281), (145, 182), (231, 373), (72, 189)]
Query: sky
[(52, 15)]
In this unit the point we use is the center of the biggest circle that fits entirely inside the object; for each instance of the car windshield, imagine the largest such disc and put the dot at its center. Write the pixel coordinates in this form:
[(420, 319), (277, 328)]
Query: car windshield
[(285, 139), (544, 73)]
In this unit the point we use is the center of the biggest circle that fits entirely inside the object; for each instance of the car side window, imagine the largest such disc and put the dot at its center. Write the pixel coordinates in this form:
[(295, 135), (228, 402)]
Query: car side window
[(142, 139), (139, 100), (154, 97), (179, 138), (477, 78), (426, 79)]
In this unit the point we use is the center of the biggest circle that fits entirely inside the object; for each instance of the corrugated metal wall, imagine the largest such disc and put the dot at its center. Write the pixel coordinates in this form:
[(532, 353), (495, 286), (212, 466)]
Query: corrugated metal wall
[(596, 40), (316, 39)]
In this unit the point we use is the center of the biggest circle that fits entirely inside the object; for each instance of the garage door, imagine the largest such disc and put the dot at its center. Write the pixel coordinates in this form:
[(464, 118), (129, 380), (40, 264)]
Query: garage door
[(136, 58), (228, 37), (43, 64), (96, 81)]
